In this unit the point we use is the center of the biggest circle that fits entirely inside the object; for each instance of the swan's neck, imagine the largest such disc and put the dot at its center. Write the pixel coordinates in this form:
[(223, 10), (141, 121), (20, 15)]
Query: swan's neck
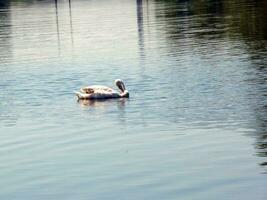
[(121, 87)]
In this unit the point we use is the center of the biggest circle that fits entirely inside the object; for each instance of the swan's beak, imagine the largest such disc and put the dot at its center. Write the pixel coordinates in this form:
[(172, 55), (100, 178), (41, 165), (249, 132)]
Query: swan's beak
[(126, 94)]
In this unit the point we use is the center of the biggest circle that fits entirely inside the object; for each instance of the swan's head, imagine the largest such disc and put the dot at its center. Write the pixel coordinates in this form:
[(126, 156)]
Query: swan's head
[(122, 88), (120, 85)]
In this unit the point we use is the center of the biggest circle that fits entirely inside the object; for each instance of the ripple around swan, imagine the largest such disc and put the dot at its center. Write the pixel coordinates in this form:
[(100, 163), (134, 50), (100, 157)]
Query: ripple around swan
[(193, 128)]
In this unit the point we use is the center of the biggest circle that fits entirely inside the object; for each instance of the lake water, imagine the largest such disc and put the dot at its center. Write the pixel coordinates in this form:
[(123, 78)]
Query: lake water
[(195, 126)]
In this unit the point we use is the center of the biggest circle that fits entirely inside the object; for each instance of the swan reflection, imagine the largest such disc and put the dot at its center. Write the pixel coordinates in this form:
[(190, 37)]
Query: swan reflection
[(102, 103)]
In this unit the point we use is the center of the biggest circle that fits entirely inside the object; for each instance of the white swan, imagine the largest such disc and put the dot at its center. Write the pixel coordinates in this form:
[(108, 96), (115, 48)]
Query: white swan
[(103, 92)]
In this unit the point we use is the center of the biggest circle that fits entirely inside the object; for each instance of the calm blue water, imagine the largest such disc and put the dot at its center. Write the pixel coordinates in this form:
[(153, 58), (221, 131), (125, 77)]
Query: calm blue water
[(193, 128)]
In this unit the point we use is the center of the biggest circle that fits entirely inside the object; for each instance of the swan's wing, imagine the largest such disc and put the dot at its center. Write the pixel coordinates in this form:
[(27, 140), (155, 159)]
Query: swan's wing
[(97, 95), (87, 90), (82, 95), (97, 92), (99, 88)]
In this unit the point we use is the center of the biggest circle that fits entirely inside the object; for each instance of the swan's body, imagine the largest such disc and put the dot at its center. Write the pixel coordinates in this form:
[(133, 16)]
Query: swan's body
[(103, 92)]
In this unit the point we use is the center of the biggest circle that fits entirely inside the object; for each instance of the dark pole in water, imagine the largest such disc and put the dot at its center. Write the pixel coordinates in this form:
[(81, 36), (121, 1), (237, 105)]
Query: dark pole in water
[(58, 36), (71, 28)]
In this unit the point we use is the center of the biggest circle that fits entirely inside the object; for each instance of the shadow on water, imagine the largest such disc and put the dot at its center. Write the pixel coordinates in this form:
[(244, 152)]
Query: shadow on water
[(240, 21), (260, 105), (261, 134), (5, 31), (7, 115), (242, 18)]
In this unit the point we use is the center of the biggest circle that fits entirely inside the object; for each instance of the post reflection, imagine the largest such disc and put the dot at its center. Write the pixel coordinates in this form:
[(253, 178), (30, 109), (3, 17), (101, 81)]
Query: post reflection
[(57, 23), (71, 27), (140, 26)]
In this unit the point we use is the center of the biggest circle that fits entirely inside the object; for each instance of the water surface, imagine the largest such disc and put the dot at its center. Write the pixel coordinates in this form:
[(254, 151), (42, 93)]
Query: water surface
[(193, 128)]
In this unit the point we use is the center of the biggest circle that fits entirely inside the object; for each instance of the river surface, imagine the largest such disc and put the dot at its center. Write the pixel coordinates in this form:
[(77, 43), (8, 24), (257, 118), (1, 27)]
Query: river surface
[(194, 127)]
